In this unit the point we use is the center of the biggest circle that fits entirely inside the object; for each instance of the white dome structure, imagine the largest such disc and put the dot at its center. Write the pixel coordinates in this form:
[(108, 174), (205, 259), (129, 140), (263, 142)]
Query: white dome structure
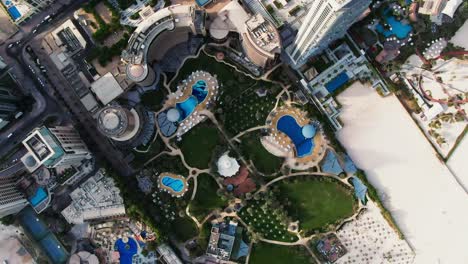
[(308, 131), (173, 115), (227, 166)]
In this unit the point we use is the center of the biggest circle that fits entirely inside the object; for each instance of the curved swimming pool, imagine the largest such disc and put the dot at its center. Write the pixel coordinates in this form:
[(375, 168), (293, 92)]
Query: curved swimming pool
[(199, 94), (289, 126), (174, 184)]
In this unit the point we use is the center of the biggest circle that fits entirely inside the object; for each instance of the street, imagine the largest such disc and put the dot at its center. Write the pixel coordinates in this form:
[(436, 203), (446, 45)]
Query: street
[(44, 92)]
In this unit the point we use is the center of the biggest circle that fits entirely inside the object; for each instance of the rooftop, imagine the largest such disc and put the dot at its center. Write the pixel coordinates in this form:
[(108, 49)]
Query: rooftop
[(106, 88), (96, 198)]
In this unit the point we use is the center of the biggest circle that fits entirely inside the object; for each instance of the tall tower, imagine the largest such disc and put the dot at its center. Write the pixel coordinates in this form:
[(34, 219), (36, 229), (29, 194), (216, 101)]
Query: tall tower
[(118, 123), (9, 100), (325, 22), (53, 147), (11, 199)]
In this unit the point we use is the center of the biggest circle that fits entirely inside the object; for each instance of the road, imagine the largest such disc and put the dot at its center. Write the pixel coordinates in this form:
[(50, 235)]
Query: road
[(46, 103)]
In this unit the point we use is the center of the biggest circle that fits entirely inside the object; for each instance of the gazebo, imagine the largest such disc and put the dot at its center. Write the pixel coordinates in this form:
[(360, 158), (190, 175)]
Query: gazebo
[(227, 166)]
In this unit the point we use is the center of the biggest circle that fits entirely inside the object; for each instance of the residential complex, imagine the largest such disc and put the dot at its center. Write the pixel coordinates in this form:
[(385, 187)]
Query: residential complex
[(10, 98), (54, 147), (97, 198), (234, 131), (325, 22), (11, 199)]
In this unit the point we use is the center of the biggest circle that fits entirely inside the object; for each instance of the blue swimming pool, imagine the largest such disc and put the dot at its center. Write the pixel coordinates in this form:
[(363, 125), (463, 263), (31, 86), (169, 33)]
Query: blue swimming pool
[(202, 3), (288, 125), (177, 185), (14, 12), (400, 30), (38, 197), (199, 93), (337, 82), (126, 250)]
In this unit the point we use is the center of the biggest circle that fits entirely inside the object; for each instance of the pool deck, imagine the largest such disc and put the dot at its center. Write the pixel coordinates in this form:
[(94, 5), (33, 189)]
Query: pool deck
[(184, 91), (286, 147), (170, 190)]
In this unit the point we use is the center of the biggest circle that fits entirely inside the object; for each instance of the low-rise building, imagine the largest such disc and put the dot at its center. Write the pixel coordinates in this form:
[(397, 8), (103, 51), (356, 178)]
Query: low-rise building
[(226, 241), (97, 198)]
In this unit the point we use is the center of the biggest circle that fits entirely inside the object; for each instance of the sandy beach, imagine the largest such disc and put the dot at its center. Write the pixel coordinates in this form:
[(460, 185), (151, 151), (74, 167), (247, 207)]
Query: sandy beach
[(422, 194), (457, 162), (460, 38)]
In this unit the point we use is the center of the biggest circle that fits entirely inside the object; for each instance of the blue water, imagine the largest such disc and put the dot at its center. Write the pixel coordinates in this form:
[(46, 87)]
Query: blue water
[(38, 197), (337, 82), (199, 93), (177, 185), (399, 29), (288, 125), (126, 254), (14, 12), (202, 2), (199, 90)]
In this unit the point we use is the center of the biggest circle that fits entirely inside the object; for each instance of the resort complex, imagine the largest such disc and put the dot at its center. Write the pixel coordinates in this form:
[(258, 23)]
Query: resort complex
[(233, 131)]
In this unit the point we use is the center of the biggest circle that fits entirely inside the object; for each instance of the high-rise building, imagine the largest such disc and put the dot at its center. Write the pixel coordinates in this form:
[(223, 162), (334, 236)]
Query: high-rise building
[(9, 99), (11, 199), (325, 22), (53, 147)]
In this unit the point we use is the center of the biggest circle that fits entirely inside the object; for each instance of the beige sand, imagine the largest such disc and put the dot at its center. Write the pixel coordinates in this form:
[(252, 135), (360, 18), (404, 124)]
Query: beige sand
[(427, 203)]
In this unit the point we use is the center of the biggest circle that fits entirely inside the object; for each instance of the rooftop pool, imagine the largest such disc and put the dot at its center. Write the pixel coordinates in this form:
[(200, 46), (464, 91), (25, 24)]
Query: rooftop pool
[(173, 184), (199, 93), (38, 197), (302, 137), (400, 30)]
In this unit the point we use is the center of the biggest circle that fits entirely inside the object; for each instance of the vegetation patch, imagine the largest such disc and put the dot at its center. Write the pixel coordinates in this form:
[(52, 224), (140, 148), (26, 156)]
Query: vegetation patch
[(276, 254), (154, 99), (248, 109), (264, 161), (318, 203), (167, 163), (145, 153), (198, 144), (206, 200), (265, 215)]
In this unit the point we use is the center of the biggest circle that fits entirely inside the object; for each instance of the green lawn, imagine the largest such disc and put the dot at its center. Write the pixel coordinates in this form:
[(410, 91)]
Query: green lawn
[(232, 81), (198, 144), (247, 109), (141, 157), (184, 228), (316, 203), (167, 163), (264, 161), (206, 199), (276, 254), (266, 221)]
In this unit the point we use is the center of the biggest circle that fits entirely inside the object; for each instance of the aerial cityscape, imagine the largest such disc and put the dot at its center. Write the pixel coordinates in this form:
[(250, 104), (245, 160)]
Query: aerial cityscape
[(233, 131)]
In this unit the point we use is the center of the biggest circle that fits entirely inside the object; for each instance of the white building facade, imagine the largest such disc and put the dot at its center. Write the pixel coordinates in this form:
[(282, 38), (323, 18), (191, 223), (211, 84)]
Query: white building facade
[(325, 22)]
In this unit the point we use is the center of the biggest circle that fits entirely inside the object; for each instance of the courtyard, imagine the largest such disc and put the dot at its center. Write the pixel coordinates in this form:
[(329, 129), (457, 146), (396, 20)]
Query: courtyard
[(281, 200)]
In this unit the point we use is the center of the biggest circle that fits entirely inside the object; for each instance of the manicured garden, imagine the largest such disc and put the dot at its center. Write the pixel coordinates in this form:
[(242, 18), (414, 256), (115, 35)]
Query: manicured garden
[(275, 254), (167, 163), (145, 153), (266, 219), (316, 202), (264, 161), (248, 109), (198, 144), (206, 200)]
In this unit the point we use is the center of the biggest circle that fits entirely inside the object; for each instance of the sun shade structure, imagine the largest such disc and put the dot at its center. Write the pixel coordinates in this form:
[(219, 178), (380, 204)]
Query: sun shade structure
[(360, 189), (227, 166)]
